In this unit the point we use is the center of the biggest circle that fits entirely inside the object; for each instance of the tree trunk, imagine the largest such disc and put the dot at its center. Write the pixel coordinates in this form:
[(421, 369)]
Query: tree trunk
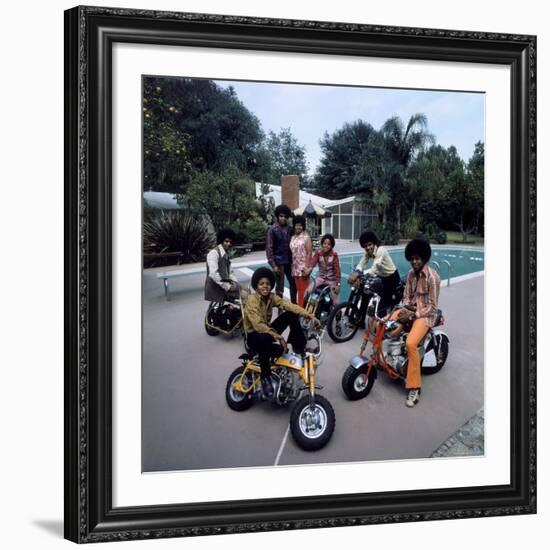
[(398, 218)]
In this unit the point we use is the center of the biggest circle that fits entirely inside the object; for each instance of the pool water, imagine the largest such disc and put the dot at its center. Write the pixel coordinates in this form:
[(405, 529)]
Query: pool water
[(463, 261)]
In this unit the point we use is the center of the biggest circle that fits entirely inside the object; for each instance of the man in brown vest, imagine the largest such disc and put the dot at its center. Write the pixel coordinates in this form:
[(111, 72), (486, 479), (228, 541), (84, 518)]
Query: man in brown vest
[(220, 282)]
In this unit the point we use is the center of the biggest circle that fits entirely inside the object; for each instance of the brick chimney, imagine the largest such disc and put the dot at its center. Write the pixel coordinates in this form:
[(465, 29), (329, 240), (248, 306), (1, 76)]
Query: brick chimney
[(290, 191)]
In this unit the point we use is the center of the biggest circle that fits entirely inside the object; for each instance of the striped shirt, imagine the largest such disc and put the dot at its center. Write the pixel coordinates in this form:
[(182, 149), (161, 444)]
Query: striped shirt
[(423, 292)]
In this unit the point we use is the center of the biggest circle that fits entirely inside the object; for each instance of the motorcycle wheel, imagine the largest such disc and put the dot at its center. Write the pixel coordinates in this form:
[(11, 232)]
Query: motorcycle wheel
[(312, 428), (356, 384), (210, 319), (239, 401), (342, 323), (441, 348)]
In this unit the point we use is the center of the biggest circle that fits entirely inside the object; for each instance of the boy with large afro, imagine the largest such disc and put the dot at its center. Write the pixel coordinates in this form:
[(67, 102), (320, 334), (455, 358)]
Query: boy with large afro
[(277, 249), (419, 308), (221, 283), (262, 333)]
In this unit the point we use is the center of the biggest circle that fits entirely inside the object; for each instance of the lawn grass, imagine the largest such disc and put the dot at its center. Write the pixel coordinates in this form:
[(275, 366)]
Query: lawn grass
[(455, 237)]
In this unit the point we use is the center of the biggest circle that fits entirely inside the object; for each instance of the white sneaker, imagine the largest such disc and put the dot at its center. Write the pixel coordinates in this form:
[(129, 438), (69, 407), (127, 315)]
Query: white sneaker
[(413, 397)]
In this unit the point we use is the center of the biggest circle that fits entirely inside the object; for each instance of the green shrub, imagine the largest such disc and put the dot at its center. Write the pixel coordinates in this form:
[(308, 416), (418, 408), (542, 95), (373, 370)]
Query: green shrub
[(412, 227), (441, 237), (177, 231), (254, 229), (387, 233), (434, 234)]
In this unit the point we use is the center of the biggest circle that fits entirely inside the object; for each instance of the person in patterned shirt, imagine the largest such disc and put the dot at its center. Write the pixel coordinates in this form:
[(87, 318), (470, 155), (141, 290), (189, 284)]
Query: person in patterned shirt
[(329, 267), (419, 308), (300, 247)]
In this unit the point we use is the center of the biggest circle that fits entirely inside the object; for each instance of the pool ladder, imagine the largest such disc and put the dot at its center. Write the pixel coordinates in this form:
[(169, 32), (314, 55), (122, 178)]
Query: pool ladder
[(449, 269)]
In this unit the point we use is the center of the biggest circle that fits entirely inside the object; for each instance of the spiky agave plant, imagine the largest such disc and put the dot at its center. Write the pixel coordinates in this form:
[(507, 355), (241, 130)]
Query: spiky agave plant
[(177, 231)]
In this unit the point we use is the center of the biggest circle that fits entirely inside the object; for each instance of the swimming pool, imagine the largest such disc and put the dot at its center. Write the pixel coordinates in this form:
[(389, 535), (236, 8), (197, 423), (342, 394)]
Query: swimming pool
[(463, 261)]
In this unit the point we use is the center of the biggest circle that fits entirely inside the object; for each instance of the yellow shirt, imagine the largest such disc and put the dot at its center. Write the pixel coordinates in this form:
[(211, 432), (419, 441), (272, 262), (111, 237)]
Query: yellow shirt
[(382, 264), (258, 311)]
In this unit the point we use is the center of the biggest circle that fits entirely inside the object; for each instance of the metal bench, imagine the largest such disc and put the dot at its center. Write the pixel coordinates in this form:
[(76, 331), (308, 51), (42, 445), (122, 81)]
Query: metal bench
[(172, 274), (242, 249)]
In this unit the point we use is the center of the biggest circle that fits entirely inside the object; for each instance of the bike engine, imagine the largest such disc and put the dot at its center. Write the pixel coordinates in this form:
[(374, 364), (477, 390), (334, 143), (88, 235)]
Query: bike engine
[(396, 355), (287, 385)]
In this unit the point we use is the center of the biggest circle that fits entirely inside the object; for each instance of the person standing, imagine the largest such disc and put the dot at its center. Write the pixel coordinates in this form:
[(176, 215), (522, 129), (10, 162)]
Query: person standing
[(300, 247), (278, 251)]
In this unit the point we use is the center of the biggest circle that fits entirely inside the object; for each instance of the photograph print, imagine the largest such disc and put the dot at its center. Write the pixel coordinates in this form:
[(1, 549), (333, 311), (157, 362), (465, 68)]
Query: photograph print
[(313, 274)]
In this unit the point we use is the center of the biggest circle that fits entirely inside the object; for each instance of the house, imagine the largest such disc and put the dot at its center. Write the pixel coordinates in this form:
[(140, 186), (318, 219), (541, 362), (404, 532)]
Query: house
[(348, 217), (344, 218)]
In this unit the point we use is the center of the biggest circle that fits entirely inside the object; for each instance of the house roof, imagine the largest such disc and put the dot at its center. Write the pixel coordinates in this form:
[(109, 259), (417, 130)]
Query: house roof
[(162, 201), (168, 201), (304, 198)]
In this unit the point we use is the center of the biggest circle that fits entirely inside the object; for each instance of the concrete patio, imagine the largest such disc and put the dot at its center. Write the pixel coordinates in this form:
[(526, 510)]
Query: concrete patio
[(188, 425)]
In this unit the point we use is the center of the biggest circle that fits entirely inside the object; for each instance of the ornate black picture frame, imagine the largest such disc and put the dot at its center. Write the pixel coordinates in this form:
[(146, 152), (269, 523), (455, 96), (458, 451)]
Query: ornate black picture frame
[(90, 34)]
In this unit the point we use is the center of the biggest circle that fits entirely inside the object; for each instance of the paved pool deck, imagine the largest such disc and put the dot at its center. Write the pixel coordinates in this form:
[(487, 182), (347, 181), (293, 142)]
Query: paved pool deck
[(251, 260), (187, 424)]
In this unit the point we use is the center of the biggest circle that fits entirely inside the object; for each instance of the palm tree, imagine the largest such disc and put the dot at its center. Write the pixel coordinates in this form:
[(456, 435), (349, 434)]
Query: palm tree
[(402, 144), (380, 201)]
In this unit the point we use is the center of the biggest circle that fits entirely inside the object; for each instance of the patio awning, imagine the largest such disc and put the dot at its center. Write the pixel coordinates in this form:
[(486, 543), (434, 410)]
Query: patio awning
[(312, 210)]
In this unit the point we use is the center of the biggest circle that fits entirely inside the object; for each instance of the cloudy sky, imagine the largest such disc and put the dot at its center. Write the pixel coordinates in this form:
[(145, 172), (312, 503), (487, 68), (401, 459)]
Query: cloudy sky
[(455, 118)]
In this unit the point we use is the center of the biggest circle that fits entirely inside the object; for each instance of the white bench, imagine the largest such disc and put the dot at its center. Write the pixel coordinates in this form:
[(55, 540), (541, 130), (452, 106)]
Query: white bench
[(166, 275)]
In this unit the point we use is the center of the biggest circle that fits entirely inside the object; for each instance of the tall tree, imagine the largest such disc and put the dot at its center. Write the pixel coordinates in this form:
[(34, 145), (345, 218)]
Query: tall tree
[(475, 172), (194, 125), (166, 147), (463, 191), (351, 161), (403, 143), (427, 175), (286, 156), (229, 199)]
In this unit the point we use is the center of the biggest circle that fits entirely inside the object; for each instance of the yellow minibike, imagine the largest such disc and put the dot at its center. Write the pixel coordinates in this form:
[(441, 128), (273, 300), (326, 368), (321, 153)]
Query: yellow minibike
[(312, 419)]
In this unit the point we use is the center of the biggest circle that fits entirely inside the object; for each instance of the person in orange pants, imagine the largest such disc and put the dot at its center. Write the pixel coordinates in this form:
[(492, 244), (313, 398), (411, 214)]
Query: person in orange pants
[(419, 307)]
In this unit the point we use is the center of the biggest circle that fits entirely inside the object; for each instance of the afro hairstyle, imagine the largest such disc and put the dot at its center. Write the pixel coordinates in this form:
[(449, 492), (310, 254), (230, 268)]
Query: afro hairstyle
[(330, 238), (418, 247), (368, 237), (260, 273), (283, 209), (226, 233), (299, 219)]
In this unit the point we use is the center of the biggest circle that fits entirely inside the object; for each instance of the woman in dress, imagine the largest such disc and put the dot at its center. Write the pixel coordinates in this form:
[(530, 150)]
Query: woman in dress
[(301, 247)]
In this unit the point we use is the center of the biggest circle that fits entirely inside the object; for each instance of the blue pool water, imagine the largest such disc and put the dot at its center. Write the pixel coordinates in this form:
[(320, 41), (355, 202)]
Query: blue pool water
[(463, 261)]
